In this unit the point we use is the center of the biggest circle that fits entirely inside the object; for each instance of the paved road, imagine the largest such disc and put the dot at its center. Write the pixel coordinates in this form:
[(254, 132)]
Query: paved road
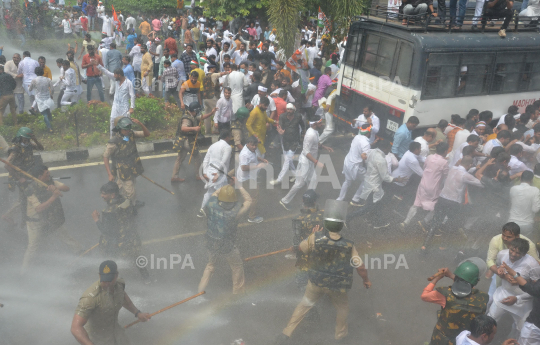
[(39, 308)]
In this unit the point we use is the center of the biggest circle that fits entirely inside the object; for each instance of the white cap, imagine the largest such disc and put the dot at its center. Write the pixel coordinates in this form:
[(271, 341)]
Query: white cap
[(290, 106), (463, 68), (262, 88)]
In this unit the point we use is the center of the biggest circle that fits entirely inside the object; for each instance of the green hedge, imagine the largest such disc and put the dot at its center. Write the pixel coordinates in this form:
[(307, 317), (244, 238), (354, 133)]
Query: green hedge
[(160, 117)]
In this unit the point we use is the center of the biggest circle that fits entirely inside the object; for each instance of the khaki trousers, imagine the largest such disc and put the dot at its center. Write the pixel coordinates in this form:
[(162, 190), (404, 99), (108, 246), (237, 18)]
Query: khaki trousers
[(180, 158), (209, 104), (127, 189), (312, 295), (237, 267), (253, 191), (36, 236), (4, 102)]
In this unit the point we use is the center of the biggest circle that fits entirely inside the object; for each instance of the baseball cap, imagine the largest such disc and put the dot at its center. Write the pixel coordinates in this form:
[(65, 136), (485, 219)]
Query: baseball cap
[(107, 270)]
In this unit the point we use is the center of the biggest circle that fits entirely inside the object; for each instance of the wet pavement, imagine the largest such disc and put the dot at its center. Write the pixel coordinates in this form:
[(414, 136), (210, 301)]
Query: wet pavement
[(38, 308)]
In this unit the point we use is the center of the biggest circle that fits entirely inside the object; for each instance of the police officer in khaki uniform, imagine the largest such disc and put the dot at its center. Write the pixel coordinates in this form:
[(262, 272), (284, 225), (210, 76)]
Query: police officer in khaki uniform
[(310, 217), (126, 163), (223, 211), (188, 127), (119, 237), (331, 259), (96, 318), (44, 214), (21, 155)]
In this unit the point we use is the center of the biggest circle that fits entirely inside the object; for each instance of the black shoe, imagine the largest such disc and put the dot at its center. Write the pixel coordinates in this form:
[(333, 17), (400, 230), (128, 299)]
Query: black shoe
[(282, 339), (32, 111), (139, 203)]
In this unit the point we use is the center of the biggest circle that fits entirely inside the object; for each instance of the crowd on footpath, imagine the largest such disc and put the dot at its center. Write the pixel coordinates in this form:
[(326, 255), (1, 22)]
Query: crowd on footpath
[(473, 180)]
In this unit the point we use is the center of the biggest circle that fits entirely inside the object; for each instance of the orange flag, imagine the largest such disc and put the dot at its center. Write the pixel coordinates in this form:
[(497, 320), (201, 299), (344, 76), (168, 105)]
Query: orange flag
[(115, 17)]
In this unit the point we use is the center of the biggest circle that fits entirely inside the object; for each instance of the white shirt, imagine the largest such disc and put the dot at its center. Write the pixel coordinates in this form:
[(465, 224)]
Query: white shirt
[(211, 51), (224, 111), (376, 124), (106, 25), (27, 67), (408, 165), (271, 106), (463, 339), (524, 266), (516, 166), (136, 57), (460, 138), (312, 54), (290, 98), (236, 83), (311, 143), (124, 96), (490, 145), (353, 161), (67, 26), (219, 154), (247, 157), (457, 155), (309, 100), (238, 57), (70, 81), (131, 22), (456, 182), (501, 119), (424, 148), (376, 173), (524, 203)]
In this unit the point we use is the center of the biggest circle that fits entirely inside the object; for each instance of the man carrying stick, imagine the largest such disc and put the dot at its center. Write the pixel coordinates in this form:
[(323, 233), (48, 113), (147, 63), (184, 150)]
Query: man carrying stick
[(186, 134), (223, 211), (126, 163), (21, 155), (332, 261), (96, 318)]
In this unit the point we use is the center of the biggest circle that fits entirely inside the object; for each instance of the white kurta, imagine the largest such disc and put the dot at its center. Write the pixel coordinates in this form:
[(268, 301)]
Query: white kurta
[(306, 168), (408, 165), (524, 267), (27, 67), (236, 83), (376, 173), (42, 86), (124, 97), (219, 154), (353, 164)]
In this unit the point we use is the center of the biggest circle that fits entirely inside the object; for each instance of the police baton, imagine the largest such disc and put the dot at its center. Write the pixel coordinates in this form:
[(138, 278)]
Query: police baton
[(221, 171), (24, 173), (169, 307), (157, 184), (269, 254)]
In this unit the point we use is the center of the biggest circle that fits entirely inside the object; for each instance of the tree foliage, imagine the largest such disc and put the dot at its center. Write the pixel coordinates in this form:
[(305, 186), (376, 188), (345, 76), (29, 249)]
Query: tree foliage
[(230, 9), (146, 7), (283, 15)]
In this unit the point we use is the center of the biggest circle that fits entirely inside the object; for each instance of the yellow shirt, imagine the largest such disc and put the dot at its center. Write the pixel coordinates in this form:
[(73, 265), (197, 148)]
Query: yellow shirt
[(145, 28), (201, 76), (256, 125), (147, 64), (47, 72), (491, 136)]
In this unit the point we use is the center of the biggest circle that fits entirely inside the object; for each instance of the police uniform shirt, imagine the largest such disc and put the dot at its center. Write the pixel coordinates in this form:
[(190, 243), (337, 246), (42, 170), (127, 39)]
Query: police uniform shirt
[(307, 245), (100, 308), (112, 148), (33, 202)]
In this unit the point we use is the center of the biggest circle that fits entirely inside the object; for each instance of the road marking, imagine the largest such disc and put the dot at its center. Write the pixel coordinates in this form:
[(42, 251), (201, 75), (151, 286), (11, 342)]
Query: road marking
[(83, 165), (198, 233)]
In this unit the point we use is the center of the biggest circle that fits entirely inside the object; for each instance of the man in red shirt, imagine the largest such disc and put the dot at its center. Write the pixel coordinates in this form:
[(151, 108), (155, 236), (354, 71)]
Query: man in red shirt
[(170, 43), (92, 73), (281, 104), (84, 24)]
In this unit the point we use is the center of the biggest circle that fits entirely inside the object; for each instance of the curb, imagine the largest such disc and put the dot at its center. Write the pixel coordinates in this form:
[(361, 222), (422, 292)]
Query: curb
[(96, 152)]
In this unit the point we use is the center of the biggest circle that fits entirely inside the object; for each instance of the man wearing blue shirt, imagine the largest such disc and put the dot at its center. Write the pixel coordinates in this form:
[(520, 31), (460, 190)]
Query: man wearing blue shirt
[(179, 65), (403, 137), (128, 69)]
